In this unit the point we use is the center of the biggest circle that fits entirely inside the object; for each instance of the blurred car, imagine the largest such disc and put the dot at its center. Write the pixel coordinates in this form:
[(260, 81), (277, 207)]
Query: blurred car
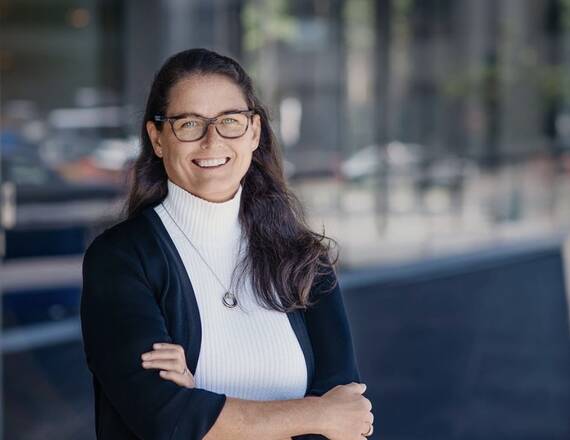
[(58, 187), (89, 145), (313, 163), (395, 157)]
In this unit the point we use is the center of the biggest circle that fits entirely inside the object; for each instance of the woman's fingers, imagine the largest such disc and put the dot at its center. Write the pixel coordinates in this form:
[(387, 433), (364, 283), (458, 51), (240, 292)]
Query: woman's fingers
[(184, 380), (163, 347), (171, 361), (357, 386), (165, 364), (167, 353)]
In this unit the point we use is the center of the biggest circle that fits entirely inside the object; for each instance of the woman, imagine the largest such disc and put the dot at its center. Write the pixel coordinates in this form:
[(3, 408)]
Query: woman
[(176, 348)]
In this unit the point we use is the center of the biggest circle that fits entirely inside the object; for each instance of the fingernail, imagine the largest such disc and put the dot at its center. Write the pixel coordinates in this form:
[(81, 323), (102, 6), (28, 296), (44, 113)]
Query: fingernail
[(145, 356)]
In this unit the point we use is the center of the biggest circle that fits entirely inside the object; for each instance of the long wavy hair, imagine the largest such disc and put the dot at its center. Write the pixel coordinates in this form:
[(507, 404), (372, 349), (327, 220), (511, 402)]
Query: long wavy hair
[(283, 255)]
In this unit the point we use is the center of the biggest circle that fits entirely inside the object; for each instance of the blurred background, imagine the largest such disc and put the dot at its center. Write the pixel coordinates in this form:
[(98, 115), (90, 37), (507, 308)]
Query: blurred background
[(430, 138)]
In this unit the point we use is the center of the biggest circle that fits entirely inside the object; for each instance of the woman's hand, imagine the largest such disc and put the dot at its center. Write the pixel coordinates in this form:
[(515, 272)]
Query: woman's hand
[(347, 413), (170, 359)]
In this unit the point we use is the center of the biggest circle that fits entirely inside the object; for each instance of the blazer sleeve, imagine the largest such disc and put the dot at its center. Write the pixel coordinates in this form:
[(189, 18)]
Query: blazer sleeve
[(331, 339), (120, 320)]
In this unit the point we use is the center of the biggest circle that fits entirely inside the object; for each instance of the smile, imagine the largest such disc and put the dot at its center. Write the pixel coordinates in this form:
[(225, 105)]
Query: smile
[(211, 163)]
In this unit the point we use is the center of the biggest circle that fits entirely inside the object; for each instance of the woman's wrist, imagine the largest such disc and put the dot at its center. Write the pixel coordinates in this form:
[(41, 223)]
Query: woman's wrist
[(317, 414), (246, 419)]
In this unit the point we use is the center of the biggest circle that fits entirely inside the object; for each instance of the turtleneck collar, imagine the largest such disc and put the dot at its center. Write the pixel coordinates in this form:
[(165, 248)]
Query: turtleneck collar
[(204, 221)]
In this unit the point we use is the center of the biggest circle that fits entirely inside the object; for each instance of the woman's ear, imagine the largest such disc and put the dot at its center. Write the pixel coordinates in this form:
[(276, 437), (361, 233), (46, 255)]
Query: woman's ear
[(154, 135), (256, 135)]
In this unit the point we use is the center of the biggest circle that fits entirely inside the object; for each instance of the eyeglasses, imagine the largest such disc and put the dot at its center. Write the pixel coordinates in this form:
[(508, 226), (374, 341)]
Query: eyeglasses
[(189, 127)]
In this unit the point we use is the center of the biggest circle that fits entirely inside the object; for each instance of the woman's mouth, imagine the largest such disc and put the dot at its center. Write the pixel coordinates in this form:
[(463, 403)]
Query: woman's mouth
[(211, 163)]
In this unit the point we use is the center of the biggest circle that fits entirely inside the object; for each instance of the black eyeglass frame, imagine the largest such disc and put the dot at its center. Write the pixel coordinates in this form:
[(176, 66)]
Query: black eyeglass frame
[(208, 121)]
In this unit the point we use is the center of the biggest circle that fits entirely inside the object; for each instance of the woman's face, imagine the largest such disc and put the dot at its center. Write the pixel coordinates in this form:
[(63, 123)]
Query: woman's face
[(206, 96)]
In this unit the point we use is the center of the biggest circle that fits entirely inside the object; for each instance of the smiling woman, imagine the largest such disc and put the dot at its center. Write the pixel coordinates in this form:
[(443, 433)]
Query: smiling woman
[(176, 348)]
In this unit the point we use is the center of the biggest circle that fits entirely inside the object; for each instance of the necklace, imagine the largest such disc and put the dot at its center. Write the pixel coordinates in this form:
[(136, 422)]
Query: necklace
[(228, 299)]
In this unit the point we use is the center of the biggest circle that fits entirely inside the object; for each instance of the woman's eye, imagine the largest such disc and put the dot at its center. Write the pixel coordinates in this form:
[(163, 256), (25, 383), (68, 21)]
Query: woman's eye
[(189, 124), (228, 121)]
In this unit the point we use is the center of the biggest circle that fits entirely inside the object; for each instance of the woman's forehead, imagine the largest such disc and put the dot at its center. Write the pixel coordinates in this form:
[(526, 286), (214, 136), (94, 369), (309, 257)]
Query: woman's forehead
[(207, 95)]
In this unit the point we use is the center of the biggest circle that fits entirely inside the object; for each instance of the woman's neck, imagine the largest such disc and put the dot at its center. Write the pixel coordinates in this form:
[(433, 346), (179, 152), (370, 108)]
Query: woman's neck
[(202, 220)]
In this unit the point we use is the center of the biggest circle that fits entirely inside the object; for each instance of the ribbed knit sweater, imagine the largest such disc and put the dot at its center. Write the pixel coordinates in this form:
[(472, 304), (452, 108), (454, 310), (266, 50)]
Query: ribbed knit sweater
[(247, 352)]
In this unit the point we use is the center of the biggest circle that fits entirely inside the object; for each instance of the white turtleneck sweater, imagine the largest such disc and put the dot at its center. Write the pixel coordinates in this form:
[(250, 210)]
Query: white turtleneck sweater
[(246, 352)]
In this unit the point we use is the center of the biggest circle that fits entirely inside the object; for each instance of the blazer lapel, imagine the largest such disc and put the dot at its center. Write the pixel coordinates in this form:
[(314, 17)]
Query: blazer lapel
[(188, 326)]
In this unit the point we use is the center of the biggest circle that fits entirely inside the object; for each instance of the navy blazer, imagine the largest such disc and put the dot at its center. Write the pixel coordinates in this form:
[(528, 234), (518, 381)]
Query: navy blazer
[(136, 291)]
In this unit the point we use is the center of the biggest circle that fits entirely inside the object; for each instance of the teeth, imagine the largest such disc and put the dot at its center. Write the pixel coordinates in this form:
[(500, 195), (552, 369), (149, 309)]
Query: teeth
[(210, 162)]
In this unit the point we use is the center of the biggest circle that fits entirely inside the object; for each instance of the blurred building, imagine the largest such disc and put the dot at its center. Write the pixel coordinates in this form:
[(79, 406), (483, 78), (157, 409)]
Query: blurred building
[(479, 87)]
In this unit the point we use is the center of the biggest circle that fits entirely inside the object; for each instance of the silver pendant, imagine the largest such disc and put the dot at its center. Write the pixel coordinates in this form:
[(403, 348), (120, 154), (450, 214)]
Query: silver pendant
[(229, 300)]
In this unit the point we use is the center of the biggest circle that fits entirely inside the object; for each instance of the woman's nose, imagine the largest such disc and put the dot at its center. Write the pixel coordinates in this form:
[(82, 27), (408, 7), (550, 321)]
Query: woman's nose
[(210, 136)]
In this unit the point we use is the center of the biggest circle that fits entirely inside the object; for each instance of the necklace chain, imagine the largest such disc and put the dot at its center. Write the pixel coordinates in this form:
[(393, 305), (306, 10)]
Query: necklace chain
[(228, 299)]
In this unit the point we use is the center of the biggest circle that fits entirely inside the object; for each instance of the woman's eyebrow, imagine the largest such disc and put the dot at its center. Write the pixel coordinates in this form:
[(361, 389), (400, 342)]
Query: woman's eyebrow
[(233, 110)]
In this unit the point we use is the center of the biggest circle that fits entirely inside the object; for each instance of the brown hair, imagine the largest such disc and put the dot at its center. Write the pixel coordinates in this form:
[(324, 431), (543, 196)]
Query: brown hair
[(283, 255)]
